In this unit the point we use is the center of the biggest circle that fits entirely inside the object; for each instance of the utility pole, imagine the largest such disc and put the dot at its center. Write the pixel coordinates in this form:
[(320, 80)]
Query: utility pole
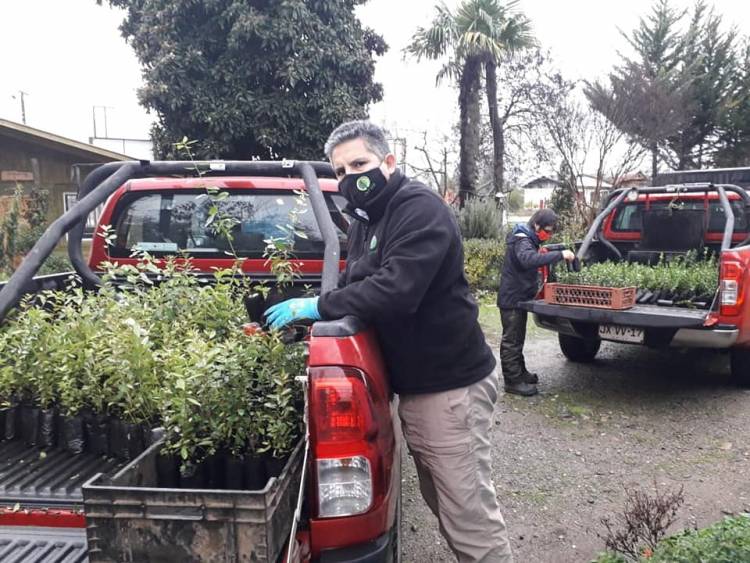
[(20, 96)]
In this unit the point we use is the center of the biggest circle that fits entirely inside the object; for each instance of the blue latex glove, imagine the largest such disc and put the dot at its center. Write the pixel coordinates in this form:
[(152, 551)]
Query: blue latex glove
[(292, 310)]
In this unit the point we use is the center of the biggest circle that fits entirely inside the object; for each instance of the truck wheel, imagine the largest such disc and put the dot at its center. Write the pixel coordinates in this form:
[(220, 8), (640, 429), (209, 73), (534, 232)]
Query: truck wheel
[(740, 362), (578, 349)]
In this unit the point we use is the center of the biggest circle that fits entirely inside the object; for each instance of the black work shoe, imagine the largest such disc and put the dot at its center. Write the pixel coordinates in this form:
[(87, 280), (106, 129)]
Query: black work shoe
[(529, 377), (521, 388)]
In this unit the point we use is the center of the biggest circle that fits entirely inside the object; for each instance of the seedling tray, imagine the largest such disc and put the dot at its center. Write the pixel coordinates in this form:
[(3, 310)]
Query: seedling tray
[(599, 297), (130, 519)]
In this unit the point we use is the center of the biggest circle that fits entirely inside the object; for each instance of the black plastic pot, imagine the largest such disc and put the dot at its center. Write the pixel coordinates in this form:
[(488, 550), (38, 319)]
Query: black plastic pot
[(274, 465), (255, 304), (168, 471), (233, 472), (215, 470), (74, 439), (254, 475), (151, 435), (645, 297), (125, 439), (97, 434), (29, 424), (194, 477), (12, 424), (47, 437)]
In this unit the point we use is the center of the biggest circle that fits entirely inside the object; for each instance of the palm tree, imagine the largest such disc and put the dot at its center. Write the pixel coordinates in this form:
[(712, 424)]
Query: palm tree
[(477, 36)]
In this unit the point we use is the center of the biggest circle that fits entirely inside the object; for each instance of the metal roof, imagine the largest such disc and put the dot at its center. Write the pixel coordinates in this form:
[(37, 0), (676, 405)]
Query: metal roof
[(51, 140)]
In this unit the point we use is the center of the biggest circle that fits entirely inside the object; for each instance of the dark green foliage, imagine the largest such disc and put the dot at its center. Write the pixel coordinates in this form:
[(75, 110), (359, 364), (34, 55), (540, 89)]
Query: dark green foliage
[(710, 66), (734, 125), (9, 225), (22, 226), (266, 79), (685, 92), (172, 354), (480, 219), (694, 276), (727, 541), (483, 260), (474, 37)]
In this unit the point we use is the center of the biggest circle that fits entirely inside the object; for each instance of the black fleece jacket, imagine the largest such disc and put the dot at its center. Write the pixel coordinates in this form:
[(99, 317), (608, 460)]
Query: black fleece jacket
[(405, 276), (519, 278)]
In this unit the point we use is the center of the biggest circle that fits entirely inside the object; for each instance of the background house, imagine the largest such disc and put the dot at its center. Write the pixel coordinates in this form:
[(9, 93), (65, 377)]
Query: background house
[(32, 157), (537, 193)]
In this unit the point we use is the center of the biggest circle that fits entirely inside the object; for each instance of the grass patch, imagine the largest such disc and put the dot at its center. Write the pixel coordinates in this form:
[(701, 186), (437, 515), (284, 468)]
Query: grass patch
[(489, 319)]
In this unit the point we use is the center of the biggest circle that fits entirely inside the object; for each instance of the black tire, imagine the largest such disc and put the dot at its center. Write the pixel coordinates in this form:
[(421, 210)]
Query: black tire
[(579, 349), (740, 363)]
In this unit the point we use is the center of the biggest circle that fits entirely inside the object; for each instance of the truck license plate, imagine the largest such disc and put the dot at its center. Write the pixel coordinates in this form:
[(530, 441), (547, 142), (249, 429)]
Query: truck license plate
[(621, 333)]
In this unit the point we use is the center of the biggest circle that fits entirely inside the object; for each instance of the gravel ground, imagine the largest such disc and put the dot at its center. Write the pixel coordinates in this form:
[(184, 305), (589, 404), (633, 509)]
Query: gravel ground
[(634, 417)]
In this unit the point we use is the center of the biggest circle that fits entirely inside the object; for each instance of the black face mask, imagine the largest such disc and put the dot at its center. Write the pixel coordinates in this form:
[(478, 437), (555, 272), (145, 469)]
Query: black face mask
[(359, 188)]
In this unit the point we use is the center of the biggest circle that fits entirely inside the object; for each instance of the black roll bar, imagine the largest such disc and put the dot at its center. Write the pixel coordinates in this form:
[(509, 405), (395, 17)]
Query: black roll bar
[(617, 196), (106, 179)]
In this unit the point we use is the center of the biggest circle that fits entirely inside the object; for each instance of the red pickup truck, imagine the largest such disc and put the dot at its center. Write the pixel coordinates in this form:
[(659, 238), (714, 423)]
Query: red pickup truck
[(645, 225), (352, 494)]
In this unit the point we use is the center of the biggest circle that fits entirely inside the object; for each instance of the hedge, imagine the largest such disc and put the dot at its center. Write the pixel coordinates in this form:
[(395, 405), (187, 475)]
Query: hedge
[(483, 262)]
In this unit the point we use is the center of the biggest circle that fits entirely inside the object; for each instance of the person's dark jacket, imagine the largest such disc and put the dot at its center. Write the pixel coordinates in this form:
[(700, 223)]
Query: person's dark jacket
[(518, 280), (405, 275)]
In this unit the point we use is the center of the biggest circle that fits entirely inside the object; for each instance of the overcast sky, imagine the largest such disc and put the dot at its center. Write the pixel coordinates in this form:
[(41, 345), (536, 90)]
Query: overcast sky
[(68, 56)]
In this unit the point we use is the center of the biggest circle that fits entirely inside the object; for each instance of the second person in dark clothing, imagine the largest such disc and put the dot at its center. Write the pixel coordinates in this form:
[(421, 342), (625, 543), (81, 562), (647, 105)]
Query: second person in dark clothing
[(519, 282)]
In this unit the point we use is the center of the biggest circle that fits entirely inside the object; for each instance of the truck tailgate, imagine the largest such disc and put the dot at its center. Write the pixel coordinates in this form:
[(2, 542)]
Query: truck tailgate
[(651, 316)]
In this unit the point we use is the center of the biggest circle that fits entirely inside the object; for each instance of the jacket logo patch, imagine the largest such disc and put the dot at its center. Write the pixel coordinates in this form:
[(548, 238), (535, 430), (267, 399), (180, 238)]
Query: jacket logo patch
[(373, 243)]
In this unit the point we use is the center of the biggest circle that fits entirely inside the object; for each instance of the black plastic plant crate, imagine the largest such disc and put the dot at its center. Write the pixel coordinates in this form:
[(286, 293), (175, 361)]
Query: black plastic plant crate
[(130, 519)]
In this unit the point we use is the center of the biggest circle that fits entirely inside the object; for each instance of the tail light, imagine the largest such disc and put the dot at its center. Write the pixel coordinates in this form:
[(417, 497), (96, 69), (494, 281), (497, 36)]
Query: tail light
[(731, 287), (342, 435)]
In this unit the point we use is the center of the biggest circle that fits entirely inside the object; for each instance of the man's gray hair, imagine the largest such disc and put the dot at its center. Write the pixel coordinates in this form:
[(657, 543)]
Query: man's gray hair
[(371, 134)]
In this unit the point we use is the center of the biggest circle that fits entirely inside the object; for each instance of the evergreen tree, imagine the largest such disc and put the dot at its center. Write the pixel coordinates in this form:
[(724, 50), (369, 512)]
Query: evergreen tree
[(251, 78)]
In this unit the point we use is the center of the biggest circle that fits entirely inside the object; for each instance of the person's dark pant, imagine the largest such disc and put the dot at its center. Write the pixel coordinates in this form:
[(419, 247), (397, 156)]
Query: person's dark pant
[(511, 344)]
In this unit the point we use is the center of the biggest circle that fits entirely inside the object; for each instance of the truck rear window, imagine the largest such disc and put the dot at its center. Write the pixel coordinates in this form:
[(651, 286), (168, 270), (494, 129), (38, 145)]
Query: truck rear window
[(165, 223), (629, 217)]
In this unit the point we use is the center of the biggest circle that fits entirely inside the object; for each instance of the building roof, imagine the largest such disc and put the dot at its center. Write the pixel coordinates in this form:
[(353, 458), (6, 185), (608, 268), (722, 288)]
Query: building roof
[(540, 181), (588, 182), (57, 142)]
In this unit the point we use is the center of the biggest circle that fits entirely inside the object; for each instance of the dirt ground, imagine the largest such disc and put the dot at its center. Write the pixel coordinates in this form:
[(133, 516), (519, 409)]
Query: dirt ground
[(634, 417)]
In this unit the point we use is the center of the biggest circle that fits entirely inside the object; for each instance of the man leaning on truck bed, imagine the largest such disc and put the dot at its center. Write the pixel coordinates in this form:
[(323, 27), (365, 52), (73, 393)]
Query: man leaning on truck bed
[(405, 276)]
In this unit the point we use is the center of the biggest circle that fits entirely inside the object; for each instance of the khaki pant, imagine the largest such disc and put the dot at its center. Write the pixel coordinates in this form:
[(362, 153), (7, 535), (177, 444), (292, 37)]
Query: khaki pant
[(448, 436)]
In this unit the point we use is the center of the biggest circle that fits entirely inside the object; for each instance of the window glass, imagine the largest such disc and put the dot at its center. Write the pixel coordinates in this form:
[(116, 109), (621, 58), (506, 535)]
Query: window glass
[(630, 216), (165, 223)]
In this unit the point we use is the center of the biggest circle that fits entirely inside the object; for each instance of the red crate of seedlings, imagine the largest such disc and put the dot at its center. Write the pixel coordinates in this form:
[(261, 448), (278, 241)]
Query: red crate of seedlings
[(596, 296)]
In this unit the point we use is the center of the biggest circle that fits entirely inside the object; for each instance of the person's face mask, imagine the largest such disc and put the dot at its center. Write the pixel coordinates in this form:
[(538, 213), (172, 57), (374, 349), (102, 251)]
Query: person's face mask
[(544, 235), (359, 188)]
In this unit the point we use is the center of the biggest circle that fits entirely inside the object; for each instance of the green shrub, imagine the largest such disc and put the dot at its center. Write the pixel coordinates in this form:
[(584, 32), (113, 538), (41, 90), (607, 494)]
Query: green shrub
[(727, 541), (692, 275), (55, 264), (480, 219), (483, 260), (171, 353)]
